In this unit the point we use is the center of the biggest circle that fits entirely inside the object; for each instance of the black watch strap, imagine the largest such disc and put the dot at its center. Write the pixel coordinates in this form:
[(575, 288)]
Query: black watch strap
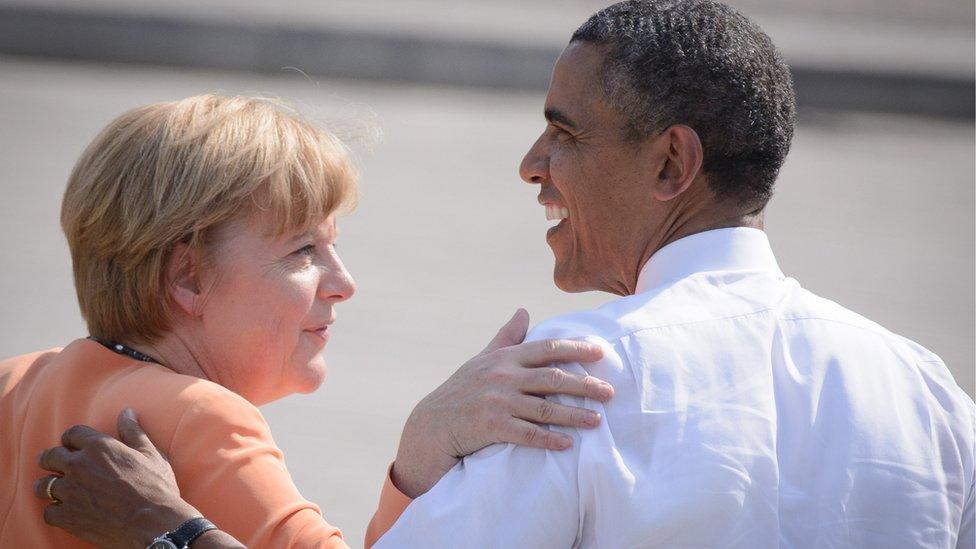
[(190, 530)]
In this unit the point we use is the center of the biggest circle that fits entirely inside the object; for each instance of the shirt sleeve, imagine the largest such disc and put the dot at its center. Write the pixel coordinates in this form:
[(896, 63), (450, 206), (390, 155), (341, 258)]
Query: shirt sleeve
[(229, 468), (967, 527), (501, 496)]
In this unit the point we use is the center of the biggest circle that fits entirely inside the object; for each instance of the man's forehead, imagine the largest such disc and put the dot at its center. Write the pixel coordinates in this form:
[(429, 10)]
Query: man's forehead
[(576, 80)]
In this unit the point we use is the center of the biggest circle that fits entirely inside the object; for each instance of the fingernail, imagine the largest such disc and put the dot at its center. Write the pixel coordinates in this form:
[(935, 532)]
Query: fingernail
[(592, 419), (605, 390), (129, 413)]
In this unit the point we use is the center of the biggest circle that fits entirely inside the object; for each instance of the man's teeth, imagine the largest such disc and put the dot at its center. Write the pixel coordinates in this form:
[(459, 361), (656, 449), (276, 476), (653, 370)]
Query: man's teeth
[(556, 212)]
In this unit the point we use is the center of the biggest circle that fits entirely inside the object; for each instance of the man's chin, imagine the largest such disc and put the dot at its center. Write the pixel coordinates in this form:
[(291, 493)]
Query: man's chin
[(568, 280)]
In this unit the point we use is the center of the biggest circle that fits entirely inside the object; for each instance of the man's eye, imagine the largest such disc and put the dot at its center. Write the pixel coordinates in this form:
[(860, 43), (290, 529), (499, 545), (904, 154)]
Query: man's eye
[(306, 250), (560, 133)]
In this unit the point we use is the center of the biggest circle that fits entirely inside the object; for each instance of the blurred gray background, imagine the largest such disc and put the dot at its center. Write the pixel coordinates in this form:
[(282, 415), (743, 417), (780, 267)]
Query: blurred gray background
[(874, 208)]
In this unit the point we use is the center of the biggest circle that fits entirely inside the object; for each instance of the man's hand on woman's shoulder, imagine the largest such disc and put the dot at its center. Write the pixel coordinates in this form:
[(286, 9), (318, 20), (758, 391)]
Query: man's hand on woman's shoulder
[(115, 493)]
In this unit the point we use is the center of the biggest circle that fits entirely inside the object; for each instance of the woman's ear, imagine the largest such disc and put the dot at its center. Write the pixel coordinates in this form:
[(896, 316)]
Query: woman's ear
[(682, 152), (183, 279)]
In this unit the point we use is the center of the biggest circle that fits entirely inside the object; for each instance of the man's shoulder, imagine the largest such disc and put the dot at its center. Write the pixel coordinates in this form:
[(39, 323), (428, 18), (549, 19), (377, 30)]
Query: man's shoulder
[(865, 355), (575, 325), (807, 308), (699, 298)]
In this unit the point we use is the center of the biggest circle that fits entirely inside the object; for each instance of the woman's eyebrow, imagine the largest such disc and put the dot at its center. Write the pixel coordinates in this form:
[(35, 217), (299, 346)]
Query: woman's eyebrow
[(299, 237), (555, 115)]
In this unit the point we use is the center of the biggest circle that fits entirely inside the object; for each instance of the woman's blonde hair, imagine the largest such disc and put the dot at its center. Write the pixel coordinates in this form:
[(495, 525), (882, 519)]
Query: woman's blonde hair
[(173, 172)]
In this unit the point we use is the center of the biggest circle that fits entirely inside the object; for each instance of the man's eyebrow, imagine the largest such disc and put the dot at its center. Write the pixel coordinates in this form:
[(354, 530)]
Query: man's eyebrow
[(556, 115)]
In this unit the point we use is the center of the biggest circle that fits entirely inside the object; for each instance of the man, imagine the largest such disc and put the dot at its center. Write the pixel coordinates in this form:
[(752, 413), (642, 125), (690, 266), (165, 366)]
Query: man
[(747, 411)]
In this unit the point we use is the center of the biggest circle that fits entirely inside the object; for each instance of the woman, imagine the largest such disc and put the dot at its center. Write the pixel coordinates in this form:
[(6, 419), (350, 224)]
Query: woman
[(202, 236)]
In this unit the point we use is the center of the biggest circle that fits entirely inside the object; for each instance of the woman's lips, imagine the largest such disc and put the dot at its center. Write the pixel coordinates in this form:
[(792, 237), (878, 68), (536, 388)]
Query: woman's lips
[(320, 332)]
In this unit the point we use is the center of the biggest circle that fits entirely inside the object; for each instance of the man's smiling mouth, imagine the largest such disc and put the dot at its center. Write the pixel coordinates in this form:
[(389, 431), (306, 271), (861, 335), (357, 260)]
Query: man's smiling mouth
[(554, 212)]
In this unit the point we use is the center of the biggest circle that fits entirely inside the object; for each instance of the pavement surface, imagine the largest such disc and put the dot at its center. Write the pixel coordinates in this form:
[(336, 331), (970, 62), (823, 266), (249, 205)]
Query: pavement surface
[(873, 212)]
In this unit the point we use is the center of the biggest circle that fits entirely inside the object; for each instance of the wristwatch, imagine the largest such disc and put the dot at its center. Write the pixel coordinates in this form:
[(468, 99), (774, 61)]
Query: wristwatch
[(183, 535)]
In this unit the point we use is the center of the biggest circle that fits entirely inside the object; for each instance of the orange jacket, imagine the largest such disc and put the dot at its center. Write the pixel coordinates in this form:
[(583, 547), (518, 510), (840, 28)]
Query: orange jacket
[(226, 463)]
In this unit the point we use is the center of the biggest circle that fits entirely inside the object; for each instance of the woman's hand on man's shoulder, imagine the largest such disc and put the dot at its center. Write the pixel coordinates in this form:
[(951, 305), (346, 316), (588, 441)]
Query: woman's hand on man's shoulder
[(498, 396)]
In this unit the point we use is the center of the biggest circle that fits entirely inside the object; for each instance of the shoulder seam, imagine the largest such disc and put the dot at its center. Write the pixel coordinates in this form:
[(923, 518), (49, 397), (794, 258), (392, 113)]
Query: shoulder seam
[(624, 333)]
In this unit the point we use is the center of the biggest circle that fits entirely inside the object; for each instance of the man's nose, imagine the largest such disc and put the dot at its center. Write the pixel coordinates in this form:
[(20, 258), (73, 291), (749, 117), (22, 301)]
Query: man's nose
[(535, 165)]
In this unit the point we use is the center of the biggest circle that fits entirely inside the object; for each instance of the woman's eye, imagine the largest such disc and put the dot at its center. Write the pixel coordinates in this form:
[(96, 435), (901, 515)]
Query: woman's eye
[(306, 250)]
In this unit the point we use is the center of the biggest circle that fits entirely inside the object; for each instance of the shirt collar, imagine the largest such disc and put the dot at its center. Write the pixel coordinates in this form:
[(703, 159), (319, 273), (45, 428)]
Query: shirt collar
[(732, 249)]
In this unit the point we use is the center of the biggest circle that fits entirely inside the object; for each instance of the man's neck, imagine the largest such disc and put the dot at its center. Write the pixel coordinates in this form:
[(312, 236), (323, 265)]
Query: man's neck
[(680, 226)]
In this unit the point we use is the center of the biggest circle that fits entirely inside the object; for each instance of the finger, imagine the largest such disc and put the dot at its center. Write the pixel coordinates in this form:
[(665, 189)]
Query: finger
[(55, 459), (45, 484), (56, 515), (131, 433), (80, 436), (540, 410), (547, 351), (523, 433), (552, 381), (512, 333)]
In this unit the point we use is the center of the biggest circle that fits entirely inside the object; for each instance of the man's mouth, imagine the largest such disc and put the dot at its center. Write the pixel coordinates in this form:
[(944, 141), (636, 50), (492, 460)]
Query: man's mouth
[(555, 213)]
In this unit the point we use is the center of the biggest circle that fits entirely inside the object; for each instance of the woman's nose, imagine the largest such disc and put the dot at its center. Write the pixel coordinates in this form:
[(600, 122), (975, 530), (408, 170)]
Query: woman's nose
[(337, 284), (535, 165)]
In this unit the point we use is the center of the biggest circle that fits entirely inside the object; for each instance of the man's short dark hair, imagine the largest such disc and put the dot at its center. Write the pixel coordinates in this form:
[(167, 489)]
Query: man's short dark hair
[(705, 65)]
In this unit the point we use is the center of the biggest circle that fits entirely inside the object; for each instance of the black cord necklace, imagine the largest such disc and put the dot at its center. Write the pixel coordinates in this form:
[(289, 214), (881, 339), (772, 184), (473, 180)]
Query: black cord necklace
[(124, 350)]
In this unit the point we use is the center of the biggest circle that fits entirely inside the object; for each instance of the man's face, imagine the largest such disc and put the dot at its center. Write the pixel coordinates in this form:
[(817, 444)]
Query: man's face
[(587, 168)]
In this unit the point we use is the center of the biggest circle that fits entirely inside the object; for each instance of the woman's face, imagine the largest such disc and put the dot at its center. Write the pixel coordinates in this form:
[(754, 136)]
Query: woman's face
[(268, 307)]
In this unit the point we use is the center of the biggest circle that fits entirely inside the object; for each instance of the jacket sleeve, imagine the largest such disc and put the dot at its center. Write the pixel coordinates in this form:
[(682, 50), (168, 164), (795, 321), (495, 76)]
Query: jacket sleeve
[(229, 468), (392, 504)]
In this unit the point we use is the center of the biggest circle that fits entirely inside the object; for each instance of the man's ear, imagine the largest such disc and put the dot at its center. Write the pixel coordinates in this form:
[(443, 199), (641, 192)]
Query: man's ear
[(681, 152), (182, 279)]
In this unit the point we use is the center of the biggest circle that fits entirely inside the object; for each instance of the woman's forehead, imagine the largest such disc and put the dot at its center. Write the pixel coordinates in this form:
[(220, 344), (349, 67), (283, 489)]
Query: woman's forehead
[(265, 226)]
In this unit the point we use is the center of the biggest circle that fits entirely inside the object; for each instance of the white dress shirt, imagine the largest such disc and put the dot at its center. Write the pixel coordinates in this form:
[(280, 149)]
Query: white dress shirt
[(748, 413)]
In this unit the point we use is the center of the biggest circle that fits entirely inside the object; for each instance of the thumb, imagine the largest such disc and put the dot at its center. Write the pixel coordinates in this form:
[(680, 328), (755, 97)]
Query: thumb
[(131, 433), (512, 333)]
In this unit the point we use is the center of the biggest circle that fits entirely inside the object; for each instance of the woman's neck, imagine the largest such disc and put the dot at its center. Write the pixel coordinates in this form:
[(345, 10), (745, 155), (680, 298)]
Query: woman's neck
[(174, 352)]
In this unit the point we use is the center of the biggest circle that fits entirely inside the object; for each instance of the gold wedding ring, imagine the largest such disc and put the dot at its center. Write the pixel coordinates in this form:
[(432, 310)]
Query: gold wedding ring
[(47, 490)]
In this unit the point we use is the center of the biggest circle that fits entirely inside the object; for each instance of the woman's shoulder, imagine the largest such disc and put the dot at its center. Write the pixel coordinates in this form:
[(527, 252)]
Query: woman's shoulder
[(12, 369), (190, 406), (93, 384), (152, 383)]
